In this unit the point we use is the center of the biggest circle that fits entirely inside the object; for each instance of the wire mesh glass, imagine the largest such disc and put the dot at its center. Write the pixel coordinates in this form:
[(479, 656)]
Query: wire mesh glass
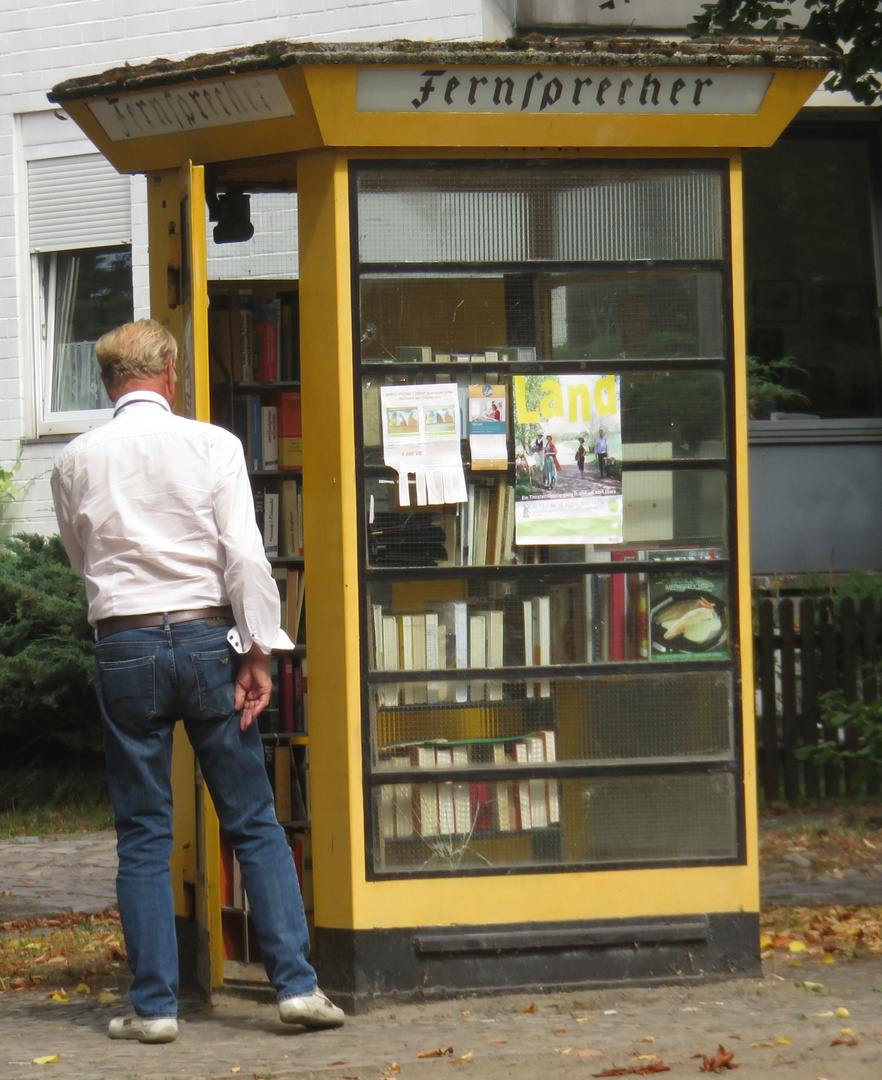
[(594, 213), (629, 820)]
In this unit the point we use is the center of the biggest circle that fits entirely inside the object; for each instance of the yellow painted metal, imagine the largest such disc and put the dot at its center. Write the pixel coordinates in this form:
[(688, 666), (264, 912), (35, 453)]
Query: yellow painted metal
[(330, 514), (323, 97), (548, 897), (745, 607), (332, 91)]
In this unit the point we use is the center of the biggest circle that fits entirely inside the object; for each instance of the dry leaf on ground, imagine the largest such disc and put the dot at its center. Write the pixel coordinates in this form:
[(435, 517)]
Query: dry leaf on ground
[(463, 1060), (529, 1008), (853, 1041), (437, 1052), (721, 1061)]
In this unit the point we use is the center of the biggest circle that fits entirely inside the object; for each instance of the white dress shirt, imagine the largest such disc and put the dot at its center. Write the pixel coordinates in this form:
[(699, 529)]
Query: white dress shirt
[(157, 514)]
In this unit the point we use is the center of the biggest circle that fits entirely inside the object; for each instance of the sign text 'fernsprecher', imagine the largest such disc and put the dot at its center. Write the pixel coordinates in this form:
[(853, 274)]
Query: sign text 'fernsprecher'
[(191, 108), (674, 91)]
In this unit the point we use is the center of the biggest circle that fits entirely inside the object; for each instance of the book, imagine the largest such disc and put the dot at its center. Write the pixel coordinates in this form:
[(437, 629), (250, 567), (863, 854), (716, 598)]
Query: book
[(687, 615), (242, 347), (493, 623), (265, 336), (446, 802), (477, 654), (463, 821), (269, 437), (538, 788), (289, 335), (414, 354), (506, 795), (271, 523), (425, 795), (542, 639), (290, 430), (524, 789), (287, 705), (220, 342), (282, 782), (453, 623), (389, 660), (552, 786), (291, 519)]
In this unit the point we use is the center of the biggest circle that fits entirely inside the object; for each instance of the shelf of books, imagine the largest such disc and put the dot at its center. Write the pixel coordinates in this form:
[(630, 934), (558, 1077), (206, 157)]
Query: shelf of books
[(255, 392), (549, 618)]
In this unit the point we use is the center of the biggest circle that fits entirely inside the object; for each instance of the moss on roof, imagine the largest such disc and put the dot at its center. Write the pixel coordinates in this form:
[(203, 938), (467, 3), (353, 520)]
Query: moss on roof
[(534, 50)]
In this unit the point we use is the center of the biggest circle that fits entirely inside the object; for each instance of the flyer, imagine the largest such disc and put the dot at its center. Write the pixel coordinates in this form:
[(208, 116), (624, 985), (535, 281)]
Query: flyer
[(568, 452), (421, 439), (488, 408)]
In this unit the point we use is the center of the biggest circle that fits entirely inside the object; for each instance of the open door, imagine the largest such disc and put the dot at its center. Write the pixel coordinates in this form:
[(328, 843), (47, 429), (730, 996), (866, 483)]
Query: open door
[(179, 300)]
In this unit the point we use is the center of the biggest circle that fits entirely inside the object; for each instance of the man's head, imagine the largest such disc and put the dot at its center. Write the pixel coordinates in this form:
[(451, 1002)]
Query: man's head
[(135, 355)]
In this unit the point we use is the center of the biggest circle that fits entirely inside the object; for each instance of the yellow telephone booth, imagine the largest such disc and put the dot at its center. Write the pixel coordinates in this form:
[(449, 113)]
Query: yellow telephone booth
[(493, 396)]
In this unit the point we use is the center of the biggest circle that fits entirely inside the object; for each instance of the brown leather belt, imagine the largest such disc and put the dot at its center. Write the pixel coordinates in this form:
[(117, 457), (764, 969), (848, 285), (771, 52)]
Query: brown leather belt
[(116, 624)]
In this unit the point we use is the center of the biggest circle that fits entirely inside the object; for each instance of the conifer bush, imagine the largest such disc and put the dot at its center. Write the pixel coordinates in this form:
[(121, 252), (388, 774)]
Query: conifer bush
[(48, 712)]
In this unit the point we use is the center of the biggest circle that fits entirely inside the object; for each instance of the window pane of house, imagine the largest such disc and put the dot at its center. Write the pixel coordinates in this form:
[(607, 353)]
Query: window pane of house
[(811, 273), (92, 294)]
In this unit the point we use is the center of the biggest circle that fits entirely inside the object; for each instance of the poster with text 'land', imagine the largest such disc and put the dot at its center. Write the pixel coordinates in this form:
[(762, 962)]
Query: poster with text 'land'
[(568, 452)]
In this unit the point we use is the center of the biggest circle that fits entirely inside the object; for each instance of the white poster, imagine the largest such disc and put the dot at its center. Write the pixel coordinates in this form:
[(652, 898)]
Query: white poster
[(421, 439)]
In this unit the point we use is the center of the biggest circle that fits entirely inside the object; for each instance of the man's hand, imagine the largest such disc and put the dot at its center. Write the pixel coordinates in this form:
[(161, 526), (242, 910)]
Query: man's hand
[(253, 686)]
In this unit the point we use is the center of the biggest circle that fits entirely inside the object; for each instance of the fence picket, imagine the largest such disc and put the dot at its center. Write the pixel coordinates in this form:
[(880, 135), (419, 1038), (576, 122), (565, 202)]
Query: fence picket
[(768, 721), (808, 729)]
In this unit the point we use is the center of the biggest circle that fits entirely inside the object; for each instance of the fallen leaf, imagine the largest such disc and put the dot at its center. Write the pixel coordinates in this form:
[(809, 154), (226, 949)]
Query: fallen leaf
[(853, 1041), (236, 1069), (585, 1019), (721, 1060), (529, 1008), (83, 989), (49, 1060), (331, 1065), (465, 1012), (797, 946), (646, 1038), (589, 1053), (843, 1013), (463, 1060), (559, 1031), (645, 1057), (828, 958), (392, 1068), (106, 998), (497, 1040), (57, 995), (846, 1031), (437, 1052), (563, 1049)]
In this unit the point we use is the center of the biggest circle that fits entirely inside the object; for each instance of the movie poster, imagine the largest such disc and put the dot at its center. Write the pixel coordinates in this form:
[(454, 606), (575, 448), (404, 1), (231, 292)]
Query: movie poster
[(568, 453)]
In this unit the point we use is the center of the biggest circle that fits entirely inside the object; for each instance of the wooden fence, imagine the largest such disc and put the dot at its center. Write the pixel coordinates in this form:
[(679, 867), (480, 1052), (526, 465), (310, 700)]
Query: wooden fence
[(805, 647)]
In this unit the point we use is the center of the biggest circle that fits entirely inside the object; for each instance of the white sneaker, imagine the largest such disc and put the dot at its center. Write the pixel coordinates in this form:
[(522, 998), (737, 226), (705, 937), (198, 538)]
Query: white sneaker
[(161, 1029), (312, 1011)]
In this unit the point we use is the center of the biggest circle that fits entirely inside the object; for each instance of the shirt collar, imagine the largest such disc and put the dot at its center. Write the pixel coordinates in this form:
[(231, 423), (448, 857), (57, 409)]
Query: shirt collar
[(149, 397)]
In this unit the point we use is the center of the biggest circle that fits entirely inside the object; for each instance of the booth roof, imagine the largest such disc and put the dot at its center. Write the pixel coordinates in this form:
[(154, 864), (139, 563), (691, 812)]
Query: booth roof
[(534, 50)]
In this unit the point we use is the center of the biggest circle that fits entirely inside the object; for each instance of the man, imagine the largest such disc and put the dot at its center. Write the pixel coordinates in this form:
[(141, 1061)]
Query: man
[(601, 449), (156, 512)]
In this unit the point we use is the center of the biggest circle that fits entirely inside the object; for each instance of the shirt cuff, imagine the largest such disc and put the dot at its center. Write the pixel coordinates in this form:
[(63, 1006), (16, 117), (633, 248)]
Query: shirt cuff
[(281, 641)]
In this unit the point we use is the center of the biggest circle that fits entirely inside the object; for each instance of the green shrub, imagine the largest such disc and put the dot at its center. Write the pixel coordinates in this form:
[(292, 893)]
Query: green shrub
[(48, 711)]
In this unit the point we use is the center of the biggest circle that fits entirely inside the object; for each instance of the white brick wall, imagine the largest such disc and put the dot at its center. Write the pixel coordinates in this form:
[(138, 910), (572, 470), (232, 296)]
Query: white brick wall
[(46, 42)]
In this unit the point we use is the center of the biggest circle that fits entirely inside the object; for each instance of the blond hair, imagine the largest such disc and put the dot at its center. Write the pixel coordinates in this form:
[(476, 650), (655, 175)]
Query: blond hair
[(135, 350)]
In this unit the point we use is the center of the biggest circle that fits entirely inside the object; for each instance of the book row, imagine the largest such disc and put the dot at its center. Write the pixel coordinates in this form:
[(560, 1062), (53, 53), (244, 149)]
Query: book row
[(288, 770), (270, 429), (288, 710), (253, 340), (292, 594), (470, 808), (423, 354)]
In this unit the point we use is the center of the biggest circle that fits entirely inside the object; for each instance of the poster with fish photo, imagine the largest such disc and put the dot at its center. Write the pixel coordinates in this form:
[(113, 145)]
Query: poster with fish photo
[(688, 616)]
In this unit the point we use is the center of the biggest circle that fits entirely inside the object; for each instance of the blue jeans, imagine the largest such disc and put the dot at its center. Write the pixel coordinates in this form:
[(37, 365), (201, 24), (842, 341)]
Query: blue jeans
[(147, 680)]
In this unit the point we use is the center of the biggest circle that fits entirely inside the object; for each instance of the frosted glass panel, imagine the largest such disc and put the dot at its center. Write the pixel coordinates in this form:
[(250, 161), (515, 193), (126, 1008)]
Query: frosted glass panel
[(592, 214)]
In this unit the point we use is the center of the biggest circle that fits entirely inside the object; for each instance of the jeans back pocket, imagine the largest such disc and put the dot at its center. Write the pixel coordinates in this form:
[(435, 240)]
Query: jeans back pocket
[(127, 690), (215, 684)]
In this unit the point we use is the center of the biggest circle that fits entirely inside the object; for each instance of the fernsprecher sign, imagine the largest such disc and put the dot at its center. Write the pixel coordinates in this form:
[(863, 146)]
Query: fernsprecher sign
[(191, 108), (671, 91)]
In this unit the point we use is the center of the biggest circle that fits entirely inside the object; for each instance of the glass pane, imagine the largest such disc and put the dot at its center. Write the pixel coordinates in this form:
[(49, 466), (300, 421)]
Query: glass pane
[(92, 294), (536, 620), (676, 414), (271, 253), (645, 315), (661, 716), (684, 511), (613, 820), (641, 315), (598, 213), (812, 292)]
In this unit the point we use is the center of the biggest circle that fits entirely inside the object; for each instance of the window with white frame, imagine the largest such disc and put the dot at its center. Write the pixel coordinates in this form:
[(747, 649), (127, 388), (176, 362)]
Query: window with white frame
[(80, 238)]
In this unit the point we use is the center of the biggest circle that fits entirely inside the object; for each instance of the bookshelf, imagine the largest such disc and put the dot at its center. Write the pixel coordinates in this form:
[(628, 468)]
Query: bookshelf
[(254, 367), (548, 624)]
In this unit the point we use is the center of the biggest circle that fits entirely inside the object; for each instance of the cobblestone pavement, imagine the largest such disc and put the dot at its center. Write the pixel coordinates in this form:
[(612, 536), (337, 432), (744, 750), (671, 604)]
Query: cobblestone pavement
[(774, 1026)]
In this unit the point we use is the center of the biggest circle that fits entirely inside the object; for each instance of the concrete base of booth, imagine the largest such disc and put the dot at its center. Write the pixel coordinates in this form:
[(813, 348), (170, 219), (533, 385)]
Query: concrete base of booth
[(359, 968)]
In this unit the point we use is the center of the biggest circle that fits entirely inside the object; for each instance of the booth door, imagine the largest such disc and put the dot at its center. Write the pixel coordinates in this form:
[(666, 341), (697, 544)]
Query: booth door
[(179, 299)]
